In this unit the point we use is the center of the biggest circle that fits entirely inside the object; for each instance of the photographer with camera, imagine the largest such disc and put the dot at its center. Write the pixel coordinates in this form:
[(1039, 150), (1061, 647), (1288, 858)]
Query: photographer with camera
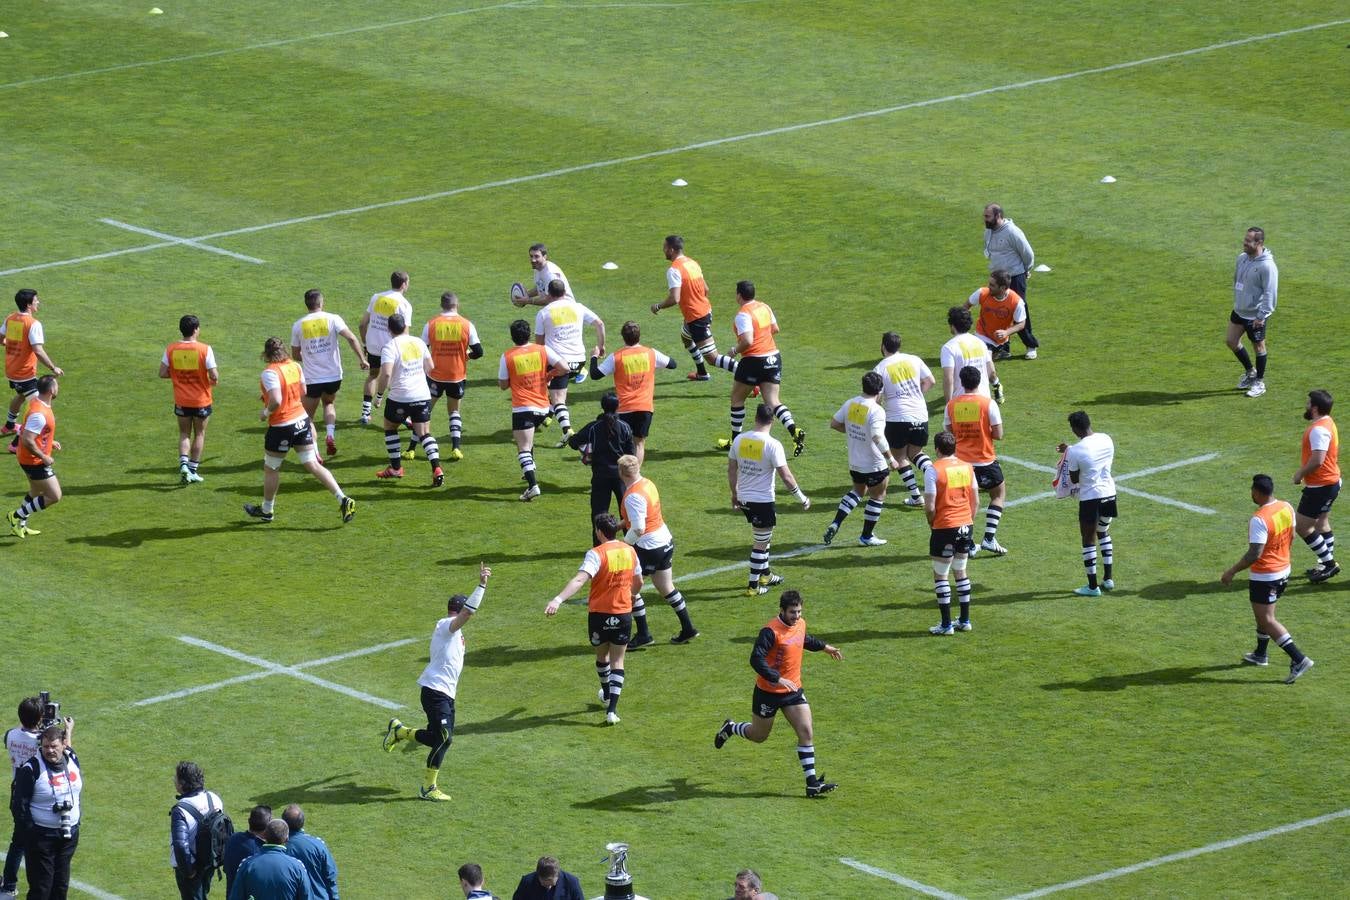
[(45, 802)]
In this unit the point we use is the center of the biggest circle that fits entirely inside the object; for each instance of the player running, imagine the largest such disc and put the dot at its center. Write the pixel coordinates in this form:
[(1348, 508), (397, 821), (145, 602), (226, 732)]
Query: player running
[(777, 661), (375, 332), (314, 344), (559, 326), (453, 341), (545, 271), (950, 499), (760, 367), (37, 443), (191, 367), (405, 363), (525, 371), (976, 421), (906, 379), (869, 457), (24, 348), (655, 546), (964, 349), (752, 461), (686, 289), (634, 369)]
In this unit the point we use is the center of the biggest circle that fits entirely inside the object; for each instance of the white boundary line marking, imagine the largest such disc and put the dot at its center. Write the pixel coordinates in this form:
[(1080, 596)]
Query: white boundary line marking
[(1153, 470), (901, 880), (271, 668), (265, 45), (186, 242), (1185, 854), (701, 145), (81, 886)]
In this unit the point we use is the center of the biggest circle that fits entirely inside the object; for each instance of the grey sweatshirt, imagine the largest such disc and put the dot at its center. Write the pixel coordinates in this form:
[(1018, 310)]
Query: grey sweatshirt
[(1006, 247), (1256, 283)]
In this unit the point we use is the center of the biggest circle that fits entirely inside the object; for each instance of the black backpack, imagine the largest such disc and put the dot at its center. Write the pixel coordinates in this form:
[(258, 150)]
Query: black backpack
[(214, 828)]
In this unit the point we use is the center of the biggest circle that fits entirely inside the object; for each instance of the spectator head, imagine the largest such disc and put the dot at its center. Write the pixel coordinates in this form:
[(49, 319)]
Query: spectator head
[(276, 832), (470, 877), (258, 817), (294, 817), (30, 712), (547, 871), (748, 885), (189, 778)]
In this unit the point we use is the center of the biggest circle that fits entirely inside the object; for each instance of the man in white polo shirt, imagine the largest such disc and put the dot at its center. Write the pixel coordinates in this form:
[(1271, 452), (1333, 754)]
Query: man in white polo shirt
[(1089, 464), (405, 363), (906, 378), (315, 347), (752, 461), (375, 332)]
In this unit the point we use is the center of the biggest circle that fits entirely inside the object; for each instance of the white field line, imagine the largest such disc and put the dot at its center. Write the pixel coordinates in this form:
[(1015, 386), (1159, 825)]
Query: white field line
[(1204, 457), (901, 880), (84, 888), (1153, 470), (700, 145), (280, 42), (1185, 854), (1156, 498), (186, 242)]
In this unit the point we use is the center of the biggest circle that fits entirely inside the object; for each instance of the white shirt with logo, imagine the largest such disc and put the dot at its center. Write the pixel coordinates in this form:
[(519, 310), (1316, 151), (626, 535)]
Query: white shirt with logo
[(382, 306), (320, 353), (864, 422), (966, 350), (1091, 458), (902, 376), (410, 358), (758, 456), (550, 272), (561, 324)]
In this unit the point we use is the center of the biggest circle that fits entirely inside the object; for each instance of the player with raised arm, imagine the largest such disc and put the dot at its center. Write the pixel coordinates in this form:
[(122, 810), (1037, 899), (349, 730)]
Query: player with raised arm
[(777, 661), (453, 341), (862, 420), (752, 461), (906, 378), (190, 365), (314, 344)]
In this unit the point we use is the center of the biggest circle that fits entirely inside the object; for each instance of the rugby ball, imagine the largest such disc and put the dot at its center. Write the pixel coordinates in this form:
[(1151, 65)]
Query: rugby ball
[(518, 294)]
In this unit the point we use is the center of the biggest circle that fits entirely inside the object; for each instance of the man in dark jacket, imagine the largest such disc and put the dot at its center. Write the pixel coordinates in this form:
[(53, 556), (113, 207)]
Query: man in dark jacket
[(271, 873), (243, 844), (313, 853), (548, 882)]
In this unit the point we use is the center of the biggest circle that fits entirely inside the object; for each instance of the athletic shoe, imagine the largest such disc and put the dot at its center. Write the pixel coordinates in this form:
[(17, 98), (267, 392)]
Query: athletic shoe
[(25, 531), (871, 540), (1086, 591), (819, 787), (684, 637), (411, 452), (256, 512), (1247, 380), (332, 446), (562, 444), (1297, 669), (1108, 585), (391, 735), (942, 629), (699, 376), (1031, 353), (723, 734), (830, 531), (347, 506), (799, 441), (9, 428), (530, 493), (365, 419), (1001, 354), (579, 377), (456, 454), (1322, 573), (1257, 389), (998, 392), (192, 478), (437, 477), (641, 641), (389, 472), (771, 580), (1256, 659), (16, 525), (752, 591), (183, 471), (612, 718), (433, 793), (964, 626), (723, 443), (913, 502), (993, 546)]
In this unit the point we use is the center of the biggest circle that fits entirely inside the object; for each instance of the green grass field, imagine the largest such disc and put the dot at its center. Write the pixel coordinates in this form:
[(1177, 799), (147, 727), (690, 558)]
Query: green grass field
[(837, 155)]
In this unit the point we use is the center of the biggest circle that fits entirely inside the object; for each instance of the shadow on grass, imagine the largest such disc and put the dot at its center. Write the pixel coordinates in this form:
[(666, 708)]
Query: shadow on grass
[(154, 487), (1156, 678), (510, 655), (135, 537), (980, 598), (339, 789), (649, 798), (659, 455), (1157, 398), (512, 720)]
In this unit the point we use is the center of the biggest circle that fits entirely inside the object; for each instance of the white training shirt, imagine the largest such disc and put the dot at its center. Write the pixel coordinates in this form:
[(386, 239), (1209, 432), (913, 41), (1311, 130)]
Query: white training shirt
[(1257, 534), (412, 361), (1091, 458), (382, 306), (561, 324), (446, 660), (320, 353), (902, 376), (1019, 315), (22, 745), (635, 510), (547, 273), (966, 350), (34, 331), (864, 424), (758, 456)]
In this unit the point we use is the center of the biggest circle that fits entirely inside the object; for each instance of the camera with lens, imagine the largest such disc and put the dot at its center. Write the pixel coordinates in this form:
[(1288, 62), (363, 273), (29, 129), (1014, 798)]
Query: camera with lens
[(63, 808), (51, 710)]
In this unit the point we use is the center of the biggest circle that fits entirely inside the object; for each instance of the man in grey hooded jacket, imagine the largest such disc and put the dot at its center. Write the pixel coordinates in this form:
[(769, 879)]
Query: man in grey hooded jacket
[(1256, 284)]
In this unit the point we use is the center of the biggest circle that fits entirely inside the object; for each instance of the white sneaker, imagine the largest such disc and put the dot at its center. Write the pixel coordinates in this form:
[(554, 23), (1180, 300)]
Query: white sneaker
[(612, 718), (1297, 669), (1031, 354), (994, 547), (1247, 380), (872, 540), (1257, 389), (913, 501), (530, 493)]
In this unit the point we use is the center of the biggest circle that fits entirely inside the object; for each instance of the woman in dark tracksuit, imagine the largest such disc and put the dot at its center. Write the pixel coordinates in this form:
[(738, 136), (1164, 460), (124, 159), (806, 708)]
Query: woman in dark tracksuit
[(604, 440)]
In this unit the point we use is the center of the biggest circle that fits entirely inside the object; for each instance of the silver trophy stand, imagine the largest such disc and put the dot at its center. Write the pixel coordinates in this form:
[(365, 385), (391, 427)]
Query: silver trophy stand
[(618, 882)]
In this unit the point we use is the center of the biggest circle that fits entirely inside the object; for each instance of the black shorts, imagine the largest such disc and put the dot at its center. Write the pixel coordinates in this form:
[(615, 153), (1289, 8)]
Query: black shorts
[(906, 434), (315, 391), (656, 559), (452, 389), (639, 422), (401, 411), (1266, 592), (698, 331), (754, 370), (1316, 501), (38, 472), (192, 412), (609, 628), (560, 382), (281, 438), (25, 388), (765, 704), (1092, 511), (527, 420), (440, 710), (1248, 325), (374, 360), (948, 542), (760, 515), (870, 479), (988, 477)]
